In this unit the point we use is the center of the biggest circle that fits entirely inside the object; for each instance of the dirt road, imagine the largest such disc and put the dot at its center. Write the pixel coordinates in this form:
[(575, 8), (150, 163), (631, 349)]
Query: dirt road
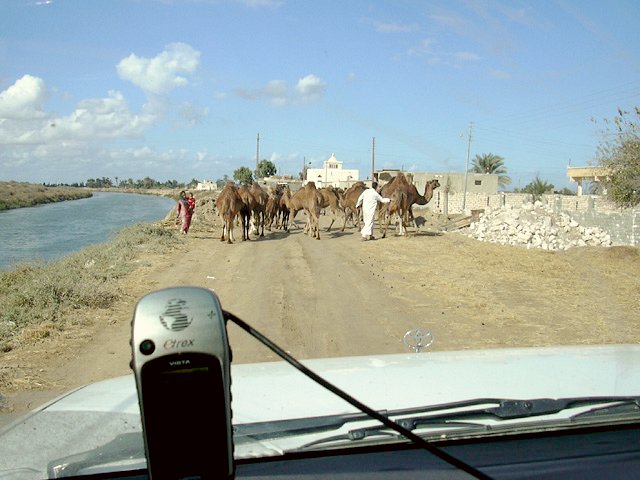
[(340, 297)]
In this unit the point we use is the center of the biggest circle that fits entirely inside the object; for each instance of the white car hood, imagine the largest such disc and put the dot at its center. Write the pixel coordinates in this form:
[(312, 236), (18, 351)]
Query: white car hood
[(93, 415)]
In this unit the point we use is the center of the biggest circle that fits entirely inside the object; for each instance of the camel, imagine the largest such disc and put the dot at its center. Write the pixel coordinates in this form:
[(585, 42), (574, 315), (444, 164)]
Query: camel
[(349, 200), (309, 199), (331, 200), (284, 206), (272, 210), (403, 194), (249, 205), (261, 197), (229, 204)]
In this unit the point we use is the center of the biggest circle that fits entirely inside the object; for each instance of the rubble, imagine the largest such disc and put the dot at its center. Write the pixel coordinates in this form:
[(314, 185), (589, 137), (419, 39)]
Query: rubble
[(535, 226)]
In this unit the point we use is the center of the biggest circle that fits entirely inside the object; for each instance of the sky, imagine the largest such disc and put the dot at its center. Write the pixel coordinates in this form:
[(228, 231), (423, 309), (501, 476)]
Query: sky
[(184, 89)]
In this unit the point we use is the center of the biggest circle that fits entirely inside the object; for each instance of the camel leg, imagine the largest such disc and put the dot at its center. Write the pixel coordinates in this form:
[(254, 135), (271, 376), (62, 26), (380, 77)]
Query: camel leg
[(413, 219), (292, 219), (286, 221), (314, 225), (383, 220), (347, 214), (245, 229), (333, 219)]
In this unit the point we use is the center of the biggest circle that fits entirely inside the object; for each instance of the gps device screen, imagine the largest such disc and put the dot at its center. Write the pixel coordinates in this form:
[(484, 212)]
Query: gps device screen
[(185, 417)]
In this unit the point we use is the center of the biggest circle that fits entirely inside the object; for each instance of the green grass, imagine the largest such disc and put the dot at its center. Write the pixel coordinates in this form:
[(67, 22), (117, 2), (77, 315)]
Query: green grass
[(21, 194), (33, 294)]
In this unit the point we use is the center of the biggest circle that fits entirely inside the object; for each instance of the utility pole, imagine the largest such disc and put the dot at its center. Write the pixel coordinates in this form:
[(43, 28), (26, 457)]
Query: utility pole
[(257, 152), (373, 156), (466, 171)]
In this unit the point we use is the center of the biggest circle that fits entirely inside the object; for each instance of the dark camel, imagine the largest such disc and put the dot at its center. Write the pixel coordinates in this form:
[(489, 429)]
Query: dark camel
[(403, 195), (349, 200), (229, 204)]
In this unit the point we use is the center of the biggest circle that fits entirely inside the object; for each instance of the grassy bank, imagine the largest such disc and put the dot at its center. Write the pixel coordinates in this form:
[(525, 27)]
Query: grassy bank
[(21, 194), (38, 298)]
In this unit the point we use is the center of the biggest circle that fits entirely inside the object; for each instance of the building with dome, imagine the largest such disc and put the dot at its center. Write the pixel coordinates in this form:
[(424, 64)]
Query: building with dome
[(332, 173)]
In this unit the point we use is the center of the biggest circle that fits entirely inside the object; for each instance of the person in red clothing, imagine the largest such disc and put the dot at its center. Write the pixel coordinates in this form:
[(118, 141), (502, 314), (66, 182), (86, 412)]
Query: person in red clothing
[(184, 213), (192, 202)]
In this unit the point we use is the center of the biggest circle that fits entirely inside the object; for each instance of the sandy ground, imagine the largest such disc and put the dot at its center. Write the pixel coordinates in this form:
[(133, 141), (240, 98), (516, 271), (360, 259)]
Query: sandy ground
[(341, 296)]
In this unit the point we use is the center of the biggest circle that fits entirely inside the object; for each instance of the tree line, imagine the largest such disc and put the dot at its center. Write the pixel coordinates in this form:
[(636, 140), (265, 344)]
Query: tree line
[(146, 183), (619, 153)]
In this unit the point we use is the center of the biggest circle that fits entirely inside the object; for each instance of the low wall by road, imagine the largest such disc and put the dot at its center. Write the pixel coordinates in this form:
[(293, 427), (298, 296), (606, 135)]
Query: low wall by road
[(624, 227), (587, 210)]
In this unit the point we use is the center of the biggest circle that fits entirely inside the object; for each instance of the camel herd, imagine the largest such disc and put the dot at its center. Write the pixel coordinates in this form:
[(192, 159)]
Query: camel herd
[(277, 207)]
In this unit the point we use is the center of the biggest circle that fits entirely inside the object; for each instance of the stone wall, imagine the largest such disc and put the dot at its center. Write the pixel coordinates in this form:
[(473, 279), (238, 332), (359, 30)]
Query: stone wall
[(624, 227), (535, 226), (590, 211)]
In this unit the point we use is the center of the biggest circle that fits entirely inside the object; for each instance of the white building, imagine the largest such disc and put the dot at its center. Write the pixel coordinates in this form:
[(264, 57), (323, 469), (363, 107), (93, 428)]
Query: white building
[(206, 185), (332, 173)]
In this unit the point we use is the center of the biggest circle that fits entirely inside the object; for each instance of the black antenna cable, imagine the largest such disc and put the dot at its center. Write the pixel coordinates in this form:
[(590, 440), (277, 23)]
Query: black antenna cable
[(348, 398)]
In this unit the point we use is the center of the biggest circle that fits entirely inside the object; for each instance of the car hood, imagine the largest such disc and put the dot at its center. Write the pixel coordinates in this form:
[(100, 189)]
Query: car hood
[(96, 414)]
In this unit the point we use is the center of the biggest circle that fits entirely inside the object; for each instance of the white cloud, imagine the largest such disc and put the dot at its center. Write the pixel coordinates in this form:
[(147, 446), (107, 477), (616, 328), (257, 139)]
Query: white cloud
[(434, 55), (191, 114), (467, 56), (24, 99), (311, 88), (451, 20), (276, 91), (500, 74), (425, 47), (279, 94), (23, 120), (162, 73), (37, 143), (261, 3), (392, 27), (101, 118)]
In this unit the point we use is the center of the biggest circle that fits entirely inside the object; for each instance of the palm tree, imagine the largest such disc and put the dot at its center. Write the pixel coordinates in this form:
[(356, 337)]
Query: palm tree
[(538, 187), (490, 163)]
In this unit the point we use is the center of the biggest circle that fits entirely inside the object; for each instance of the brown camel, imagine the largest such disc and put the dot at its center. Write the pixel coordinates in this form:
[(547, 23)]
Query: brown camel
[(272, 209), (261, 197), (331, 200), (249, 205), (403, 195), (349, 200), (309, 199), (285, 208), (229, 204)]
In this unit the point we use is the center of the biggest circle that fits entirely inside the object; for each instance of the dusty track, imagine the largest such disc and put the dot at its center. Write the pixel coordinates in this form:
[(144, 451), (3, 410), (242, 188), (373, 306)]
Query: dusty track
[(340, 297)]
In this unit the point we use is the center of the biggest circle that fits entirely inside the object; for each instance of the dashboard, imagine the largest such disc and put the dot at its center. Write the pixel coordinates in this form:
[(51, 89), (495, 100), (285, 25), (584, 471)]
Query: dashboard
[(585, 453)]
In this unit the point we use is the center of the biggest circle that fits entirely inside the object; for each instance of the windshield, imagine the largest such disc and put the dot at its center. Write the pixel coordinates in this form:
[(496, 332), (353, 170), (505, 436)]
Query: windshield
[(418, 201)]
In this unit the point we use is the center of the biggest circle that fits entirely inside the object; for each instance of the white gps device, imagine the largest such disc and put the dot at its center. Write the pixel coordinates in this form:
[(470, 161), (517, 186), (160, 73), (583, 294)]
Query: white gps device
[(181, 361)]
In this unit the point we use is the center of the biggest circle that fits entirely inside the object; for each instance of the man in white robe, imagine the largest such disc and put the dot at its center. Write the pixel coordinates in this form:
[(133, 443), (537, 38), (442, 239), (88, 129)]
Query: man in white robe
[(369, 200)]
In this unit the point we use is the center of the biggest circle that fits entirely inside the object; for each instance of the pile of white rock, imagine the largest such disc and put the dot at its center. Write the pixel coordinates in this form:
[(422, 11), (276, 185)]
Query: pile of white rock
[(535, 226)]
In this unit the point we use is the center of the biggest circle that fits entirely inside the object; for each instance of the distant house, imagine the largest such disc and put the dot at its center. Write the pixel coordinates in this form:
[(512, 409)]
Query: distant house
[(452, 182), (275, 180), (581, 175), (206, 185), (332, 173)]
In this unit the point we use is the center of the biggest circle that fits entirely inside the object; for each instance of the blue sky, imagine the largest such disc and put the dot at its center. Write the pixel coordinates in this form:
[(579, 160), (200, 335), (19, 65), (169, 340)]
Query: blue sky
[(181, 89)]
